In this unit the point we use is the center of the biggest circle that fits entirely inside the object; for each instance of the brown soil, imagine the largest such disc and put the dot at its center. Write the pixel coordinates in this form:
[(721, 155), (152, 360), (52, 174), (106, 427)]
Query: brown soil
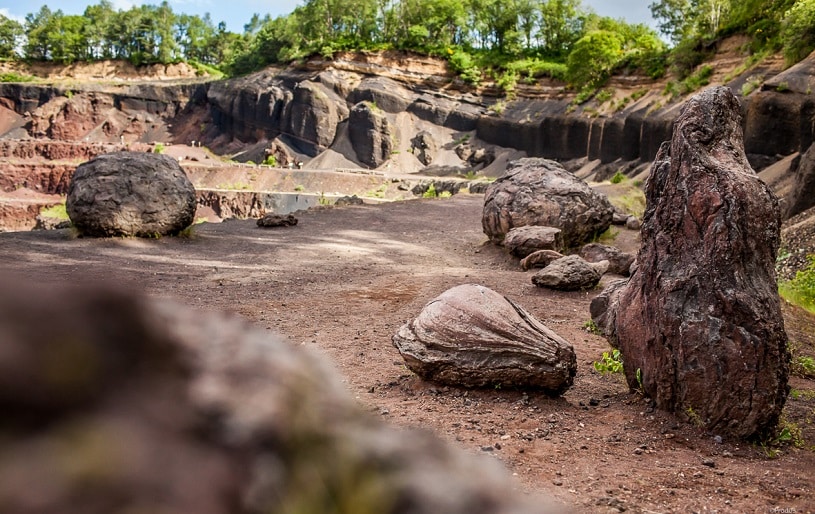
[(344, 279)]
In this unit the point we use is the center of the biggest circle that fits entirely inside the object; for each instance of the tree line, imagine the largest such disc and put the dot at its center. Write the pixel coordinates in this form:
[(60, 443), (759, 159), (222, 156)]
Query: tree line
[(512, 39), (141, 34)]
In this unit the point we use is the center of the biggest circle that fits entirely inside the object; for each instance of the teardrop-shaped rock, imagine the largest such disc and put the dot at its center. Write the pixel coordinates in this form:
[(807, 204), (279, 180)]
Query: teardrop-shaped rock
[(472, 336)]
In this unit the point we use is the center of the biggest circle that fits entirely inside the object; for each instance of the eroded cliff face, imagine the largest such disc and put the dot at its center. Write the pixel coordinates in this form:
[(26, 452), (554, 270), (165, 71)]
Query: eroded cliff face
[(307, 110)]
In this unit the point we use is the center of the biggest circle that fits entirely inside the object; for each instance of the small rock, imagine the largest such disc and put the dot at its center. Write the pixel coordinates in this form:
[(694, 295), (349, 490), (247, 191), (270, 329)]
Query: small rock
[(523, 241), (633, 223), (709, 463), (570, 273), (276, 220), (487, 448), (717, 439), (540, 259)]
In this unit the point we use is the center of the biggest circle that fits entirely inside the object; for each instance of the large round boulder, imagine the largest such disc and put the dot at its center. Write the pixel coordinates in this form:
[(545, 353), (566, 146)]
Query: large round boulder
[(130, 194), (537, 191), (471, 336)]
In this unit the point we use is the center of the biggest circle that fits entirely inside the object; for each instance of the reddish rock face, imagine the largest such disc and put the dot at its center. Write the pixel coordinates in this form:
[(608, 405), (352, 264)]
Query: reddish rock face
[(700, 320)]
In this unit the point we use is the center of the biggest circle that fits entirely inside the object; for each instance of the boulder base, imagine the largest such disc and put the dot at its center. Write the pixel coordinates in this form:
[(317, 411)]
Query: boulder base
[(472, 336)]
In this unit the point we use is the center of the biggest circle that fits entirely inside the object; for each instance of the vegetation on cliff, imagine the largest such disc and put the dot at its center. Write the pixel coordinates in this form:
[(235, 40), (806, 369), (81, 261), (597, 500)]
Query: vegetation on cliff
[(506, 41)]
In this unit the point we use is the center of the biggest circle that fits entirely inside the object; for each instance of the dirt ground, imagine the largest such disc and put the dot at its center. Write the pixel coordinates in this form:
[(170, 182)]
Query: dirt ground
[(344, 279)]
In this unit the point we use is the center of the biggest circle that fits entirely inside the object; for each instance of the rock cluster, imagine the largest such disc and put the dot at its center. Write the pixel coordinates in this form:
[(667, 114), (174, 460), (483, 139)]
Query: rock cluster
[(472, 336), (541, 192), (119, 403), (699, 322), (130, 194)]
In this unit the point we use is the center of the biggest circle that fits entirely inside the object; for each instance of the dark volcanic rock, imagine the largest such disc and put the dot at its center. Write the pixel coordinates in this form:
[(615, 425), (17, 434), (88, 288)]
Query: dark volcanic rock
[(313, 115), (522, 241), (619, 261), (570, 273), (700, 319), (542, 192), (110, 400), (277, 220), (424, 147), (472, 336), (802, 193), (386, 94), (130, 194), (371, 134)]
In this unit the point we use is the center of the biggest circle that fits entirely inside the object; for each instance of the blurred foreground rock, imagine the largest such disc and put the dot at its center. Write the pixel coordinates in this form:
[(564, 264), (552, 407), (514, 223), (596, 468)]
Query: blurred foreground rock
[(471, 336), (699, 320), (130, 194), (112, 403)]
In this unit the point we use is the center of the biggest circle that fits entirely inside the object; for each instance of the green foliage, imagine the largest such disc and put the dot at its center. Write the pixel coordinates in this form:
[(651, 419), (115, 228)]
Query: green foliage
[(751, 85), (591, 327), (804, 366), (299, 188), (801, 289), (270, 161), (798, 31), (463, 64), (617, 178), (691, 83), (57, 211), (159, 148), (430, 192), (603, 96), (609, 363), (593, 57), (10, 33), (15, 77)]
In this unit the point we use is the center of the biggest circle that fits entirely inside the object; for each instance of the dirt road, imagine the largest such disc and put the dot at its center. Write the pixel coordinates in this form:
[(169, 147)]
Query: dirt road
[(344, 279)]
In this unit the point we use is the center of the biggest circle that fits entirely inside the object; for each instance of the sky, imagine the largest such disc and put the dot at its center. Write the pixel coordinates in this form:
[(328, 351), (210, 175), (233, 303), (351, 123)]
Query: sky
[(236, 13)]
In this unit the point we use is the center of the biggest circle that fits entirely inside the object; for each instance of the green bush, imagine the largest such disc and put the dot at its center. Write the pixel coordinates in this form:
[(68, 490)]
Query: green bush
[(159, 148), (798, 31), (801, 289), (610, 363), (15, 77), (464, 65), (270, 161), (593, 57)]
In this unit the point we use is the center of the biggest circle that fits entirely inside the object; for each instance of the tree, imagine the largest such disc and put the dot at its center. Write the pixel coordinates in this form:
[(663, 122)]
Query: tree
[(38, 29), (10, 33), (593, 57), (561, 25), (798, 30)]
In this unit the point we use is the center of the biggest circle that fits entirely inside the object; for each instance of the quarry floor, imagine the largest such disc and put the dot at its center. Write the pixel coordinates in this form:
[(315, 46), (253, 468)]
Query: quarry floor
[(344, 280)]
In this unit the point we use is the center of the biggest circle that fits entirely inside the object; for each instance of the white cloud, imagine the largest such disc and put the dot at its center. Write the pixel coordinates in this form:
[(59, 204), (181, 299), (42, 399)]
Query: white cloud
[(5, 12), (122, 5)]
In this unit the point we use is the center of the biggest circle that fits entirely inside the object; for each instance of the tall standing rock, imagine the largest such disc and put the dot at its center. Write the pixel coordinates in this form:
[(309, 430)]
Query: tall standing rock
[(130, 194), (541, 192), (699, 322)]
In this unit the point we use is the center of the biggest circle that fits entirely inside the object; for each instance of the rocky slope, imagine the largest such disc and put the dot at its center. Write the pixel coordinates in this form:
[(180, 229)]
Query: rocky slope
[(416, 117)]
